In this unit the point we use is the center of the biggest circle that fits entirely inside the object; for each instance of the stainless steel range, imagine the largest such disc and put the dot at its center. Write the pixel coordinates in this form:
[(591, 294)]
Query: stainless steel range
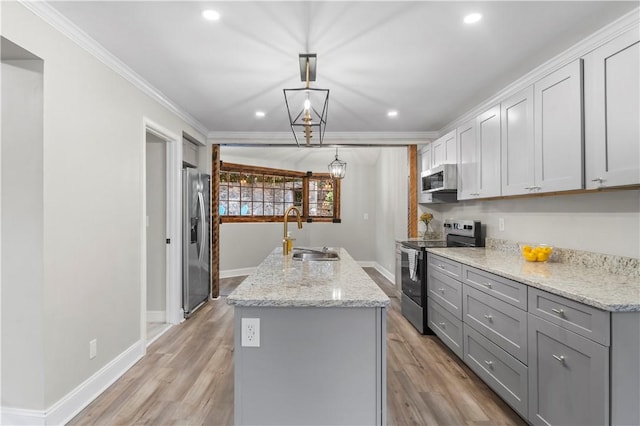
[(458, 233)]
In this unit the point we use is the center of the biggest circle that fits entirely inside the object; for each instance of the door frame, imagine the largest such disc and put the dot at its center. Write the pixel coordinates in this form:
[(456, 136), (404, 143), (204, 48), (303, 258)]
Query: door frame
[(173, 310)]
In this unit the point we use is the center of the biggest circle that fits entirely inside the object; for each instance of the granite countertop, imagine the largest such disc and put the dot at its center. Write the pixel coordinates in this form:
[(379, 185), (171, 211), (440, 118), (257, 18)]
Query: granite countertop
[(597, 288), (280, 281)]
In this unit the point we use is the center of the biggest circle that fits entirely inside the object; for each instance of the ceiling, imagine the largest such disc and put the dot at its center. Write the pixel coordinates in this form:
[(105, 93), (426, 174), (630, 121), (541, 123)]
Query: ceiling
[(416, 57)]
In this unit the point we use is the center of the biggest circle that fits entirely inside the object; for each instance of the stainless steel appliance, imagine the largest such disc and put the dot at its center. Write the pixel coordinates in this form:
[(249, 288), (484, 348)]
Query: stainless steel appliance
[(413, 304), (440, 178), (196, 263)]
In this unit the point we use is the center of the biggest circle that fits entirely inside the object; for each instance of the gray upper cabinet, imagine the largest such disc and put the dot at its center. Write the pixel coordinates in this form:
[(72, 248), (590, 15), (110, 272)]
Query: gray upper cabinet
[(426, 159), (444, 150), (568, 377), (517, 143), (479, 156), (467, 161), (612, 112), (558, 137)]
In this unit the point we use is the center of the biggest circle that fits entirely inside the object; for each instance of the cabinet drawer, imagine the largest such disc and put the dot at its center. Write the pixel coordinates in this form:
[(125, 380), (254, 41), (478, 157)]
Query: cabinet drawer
[(504, 289), (503, 373), (584, 320), (568, 377), (447, 327), (500, 322), (446, 291), (446, 266)]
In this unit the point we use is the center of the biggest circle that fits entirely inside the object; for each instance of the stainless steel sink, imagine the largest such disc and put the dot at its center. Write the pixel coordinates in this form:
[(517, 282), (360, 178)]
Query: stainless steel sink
[(315, 255)]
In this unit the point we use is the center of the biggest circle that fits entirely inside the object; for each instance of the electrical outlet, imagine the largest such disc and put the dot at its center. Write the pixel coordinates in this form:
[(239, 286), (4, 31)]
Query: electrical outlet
[(93, 348), (251, 332), (501, 224)]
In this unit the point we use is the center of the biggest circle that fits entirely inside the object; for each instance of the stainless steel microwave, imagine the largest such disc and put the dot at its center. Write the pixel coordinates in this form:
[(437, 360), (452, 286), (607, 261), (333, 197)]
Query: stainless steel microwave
[(440, 178)]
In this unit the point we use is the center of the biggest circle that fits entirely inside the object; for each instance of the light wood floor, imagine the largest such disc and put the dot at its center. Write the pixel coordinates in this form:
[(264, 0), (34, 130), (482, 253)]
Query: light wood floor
[(186, 378)]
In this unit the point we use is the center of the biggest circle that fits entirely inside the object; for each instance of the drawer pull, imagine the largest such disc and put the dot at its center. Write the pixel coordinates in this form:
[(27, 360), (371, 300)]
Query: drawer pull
[(441, 290), (489, 318), (559, 358), (441, 324), (559, 312), (441, 266), (489, 363), (487, 285)]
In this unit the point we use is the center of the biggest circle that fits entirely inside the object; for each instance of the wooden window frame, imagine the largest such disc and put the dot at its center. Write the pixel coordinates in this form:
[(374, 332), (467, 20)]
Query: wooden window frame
[(282, 173)]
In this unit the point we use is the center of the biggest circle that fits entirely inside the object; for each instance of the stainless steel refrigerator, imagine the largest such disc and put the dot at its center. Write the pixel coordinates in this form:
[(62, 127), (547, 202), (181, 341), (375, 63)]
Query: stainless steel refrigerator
[(196, 259)]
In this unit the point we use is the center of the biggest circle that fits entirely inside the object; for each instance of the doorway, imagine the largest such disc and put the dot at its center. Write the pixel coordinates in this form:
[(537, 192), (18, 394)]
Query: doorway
[(161, 277)]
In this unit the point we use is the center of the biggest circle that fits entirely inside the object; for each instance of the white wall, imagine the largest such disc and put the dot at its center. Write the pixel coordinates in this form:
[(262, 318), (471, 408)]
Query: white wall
[(245, 245), (157, 223), (601, 222), (93, 203), (22, 234), (392, 204)]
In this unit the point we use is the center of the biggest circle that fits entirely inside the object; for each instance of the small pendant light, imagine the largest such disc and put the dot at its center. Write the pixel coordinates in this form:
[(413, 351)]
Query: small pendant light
[(337, 168)]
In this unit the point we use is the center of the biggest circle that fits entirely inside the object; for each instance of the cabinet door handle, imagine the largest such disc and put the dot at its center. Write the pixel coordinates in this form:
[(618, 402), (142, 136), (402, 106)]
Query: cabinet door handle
[(489, 363), (559, 312), (442, 324), (489, 317), (559, 358), (599, 179), (528, 187), (487, 285), (441, 266), (441, 290)]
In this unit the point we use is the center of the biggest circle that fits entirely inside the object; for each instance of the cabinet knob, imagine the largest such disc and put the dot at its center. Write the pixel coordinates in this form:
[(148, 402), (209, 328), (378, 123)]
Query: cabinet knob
[(489, 317), (441, 290), (441, 324), (559, 312), (489, 363), (598, 179), (487, 285), (441, 266), (559, 358)]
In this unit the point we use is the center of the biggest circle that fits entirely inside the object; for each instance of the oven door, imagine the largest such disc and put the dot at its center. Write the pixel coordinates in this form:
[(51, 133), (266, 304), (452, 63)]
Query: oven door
[(412, 281)]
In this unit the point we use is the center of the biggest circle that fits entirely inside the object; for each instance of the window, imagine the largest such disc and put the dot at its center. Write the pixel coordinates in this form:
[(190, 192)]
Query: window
[(259, 194)]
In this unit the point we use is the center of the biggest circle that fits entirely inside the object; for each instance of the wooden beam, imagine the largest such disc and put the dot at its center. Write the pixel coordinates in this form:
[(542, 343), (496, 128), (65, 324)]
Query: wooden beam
[(215, 221), (412, 158)]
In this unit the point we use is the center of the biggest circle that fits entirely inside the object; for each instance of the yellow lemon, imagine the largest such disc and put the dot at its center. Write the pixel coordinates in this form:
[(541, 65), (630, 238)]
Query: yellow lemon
[(530, 257), (526, 249), (542, 257)]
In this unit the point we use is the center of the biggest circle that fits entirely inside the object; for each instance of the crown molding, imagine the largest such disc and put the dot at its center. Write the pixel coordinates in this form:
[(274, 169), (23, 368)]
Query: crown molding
[(346, 138), (51, 16), (578, 50)]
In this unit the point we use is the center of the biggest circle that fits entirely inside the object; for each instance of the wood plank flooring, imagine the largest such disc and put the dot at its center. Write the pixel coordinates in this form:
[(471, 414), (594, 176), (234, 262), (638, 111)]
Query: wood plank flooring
[(186, 378)]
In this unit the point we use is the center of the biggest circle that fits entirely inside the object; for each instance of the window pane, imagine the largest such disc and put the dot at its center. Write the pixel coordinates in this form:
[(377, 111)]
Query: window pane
[(268, 209), (234, 193), (223, 208), (234, 208)]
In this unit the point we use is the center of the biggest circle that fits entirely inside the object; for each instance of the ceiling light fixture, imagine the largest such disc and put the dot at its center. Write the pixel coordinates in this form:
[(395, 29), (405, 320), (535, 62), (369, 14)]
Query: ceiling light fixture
[(472, 18), (210, 15), (260, 114), (311, 103), (392, 113), (337, 168)]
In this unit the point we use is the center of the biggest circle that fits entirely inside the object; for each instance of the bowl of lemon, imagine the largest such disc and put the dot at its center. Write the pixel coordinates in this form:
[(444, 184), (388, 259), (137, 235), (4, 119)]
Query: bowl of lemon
[(536, 252)]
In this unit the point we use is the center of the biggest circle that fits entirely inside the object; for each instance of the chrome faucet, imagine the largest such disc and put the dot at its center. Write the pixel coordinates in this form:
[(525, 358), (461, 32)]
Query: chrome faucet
[(285, 239)]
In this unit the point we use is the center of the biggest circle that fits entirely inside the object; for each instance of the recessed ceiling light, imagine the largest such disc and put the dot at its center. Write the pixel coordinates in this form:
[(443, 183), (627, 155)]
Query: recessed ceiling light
[(472, 18), (210, 15), (260, 114), (392, 113)]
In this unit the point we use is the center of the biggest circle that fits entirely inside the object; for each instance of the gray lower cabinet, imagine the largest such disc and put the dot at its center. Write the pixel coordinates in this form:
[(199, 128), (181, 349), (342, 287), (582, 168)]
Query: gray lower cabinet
[(503, 373), (447, 327), (501, 322), (568, 377)]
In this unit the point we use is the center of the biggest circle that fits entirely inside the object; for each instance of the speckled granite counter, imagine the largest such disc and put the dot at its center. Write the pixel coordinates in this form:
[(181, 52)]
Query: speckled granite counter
[(284, 282), (597, 288)]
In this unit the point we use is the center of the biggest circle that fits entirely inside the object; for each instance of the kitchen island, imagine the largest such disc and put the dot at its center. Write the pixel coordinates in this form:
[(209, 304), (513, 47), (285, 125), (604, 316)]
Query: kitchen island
[(314, 344)]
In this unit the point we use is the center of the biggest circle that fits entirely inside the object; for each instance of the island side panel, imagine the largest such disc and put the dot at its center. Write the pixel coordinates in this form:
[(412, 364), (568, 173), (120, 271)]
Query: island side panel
[(314, 365)]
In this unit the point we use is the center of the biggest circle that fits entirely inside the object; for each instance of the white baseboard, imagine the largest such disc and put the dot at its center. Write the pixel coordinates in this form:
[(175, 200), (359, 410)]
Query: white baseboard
[(237, 272), (156, 316), (365, 264), (385, 273), (76, 400)]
